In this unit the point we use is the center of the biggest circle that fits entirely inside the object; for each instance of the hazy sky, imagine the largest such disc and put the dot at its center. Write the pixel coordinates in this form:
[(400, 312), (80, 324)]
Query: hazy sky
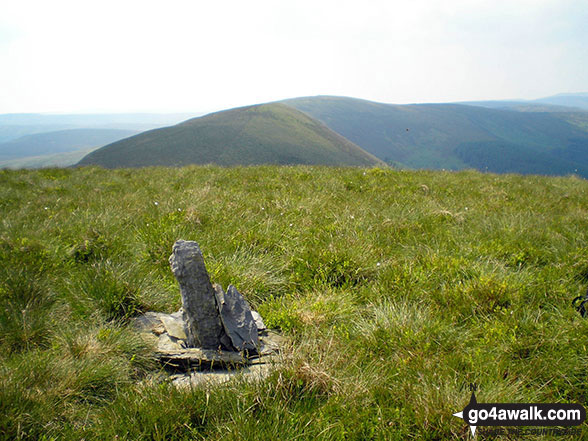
[(180, 55)]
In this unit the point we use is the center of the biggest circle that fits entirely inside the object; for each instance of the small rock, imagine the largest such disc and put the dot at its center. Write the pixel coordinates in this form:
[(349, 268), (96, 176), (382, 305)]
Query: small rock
[(237, 319), (150, 338), (178, 314), (258, 320), (174, 325), (149, 322), (168, 343), (270, 342)]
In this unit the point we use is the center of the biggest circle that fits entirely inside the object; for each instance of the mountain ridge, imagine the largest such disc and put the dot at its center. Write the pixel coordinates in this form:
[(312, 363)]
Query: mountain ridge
[(271, 133), (428, 135)]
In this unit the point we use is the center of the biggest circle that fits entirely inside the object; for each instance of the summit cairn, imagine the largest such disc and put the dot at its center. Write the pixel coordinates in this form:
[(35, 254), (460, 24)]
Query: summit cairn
[(200, 311), (213, 328)]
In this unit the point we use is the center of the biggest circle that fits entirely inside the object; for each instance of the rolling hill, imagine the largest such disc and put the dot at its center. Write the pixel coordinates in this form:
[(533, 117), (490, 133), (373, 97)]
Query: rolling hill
[(522, 106), (15, 125), (65, 159), (60, 142), (579, 100), (262, 134), (458, 136)]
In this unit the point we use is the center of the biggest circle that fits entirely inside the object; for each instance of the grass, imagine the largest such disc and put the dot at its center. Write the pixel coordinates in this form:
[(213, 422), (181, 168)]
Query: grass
[(395, 290)]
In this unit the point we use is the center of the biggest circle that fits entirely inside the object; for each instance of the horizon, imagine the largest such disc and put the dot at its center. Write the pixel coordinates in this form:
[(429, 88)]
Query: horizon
[(206, 112), (145, 57)]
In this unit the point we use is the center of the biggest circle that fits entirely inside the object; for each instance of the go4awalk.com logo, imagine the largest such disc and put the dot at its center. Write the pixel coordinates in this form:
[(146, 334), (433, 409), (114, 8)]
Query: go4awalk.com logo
[(521, 414)]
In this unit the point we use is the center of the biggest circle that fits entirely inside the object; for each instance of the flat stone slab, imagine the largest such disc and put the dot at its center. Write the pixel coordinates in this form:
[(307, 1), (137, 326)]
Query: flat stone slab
[(174, 325), (197, 357), (256, 371), (167, 333), (167, 343), (149, 322), (269, 342)]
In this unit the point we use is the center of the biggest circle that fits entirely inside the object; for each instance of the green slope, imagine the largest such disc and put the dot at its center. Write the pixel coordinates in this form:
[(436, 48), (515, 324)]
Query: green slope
[(429, 135), (393, 290), (262, 134)]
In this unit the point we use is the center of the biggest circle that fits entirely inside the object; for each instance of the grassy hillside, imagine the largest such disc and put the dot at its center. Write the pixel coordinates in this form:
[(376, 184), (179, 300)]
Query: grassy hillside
[(428, 135), (501, 157), (396, 289), (60, 142), (263, 134)]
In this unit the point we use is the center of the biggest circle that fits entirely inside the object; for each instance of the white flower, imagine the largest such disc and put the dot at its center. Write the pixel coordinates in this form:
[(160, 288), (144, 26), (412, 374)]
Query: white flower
[(291, 224), (378, 264), (155, 203), (46, 208)]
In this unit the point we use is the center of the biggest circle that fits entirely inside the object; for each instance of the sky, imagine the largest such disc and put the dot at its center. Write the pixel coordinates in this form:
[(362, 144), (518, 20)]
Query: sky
[(200, 56)]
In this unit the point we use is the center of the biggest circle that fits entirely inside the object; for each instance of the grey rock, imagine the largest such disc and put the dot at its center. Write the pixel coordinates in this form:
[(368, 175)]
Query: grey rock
[(254, 372), (220, 300), (203, 324), (269, 343), (174, 326), (167, 344), (178, 314), (150, 338), (237, 319), (258, 320), (198, 358), (219, 295), (149, 322)]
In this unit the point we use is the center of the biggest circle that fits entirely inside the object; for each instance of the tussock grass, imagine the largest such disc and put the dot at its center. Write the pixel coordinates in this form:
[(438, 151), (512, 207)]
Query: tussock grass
[(394, 289)]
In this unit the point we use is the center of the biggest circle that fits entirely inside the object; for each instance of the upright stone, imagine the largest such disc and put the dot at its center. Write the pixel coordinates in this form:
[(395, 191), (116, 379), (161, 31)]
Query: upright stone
[(237, 318), (203, 324)]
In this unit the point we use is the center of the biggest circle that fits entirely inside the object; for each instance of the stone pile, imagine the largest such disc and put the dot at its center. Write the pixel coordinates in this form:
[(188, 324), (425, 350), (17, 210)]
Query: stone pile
[(215, 334)]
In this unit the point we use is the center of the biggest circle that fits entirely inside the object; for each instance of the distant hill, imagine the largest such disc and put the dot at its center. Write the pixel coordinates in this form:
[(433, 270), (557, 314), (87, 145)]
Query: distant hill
[(563, 102), (15, 125), (60, 142), (51, 160), (579, 100), (261, 134), (457, 136), (522, 106)]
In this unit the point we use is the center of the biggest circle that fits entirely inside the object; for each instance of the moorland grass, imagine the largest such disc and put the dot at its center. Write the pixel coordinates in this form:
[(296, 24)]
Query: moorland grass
[(395, 290)]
